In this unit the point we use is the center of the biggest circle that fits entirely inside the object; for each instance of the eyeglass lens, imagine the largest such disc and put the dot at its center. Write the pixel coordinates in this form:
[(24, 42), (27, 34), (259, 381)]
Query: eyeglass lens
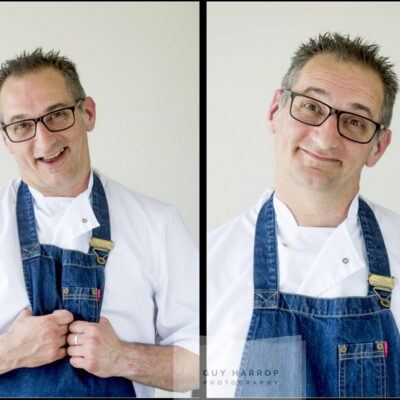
[(55, 121), (313, 112)]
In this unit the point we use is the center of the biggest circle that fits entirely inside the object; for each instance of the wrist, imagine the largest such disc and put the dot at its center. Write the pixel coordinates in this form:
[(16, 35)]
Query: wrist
[(6, 364), (125, 365)]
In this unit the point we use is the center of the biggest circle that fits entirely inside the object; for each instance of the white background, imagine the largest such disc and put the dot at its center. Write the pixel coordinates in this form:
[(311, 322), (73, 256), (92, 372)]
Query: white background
[(140, 63), (249, 46)]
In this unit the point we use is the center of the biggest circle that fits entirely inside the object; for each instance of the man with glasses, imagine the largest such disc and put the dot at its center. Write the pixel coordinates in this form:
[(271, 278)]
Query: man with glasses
[(301, 287), (97, 282)]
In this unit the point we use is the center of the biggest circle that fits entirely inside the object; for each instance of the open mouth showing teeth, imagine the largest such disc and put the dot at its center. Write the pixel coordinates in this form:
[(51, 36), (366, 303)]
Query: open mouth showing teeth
[(54, 157)]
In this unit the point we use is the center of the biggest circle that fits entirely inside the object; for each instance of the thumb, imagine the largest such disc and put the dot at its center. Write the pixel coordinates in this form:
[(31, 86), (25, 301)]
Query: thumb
[(25, 313)]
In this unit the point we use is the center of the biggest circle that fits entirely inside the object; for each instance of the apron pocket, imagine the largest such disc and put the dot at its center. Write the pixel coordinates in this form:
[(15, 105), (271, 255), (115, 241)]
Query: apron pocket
[(362, 370), (82, 302)]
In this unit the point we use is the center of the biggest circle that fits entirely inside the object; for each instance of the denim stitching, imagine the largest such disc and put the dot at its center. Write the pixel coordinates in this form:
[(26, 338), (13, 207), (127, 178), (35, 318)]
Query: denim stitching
[(28, 283), (84, 266), (95, 311), (362, 392), (332, 315), (384, 377), (380, 377), (360, 357), (364, 352), (266, 300), (79, 302), (30, 251), (339, 377), (66, 264), (80, 297), (344, 383)]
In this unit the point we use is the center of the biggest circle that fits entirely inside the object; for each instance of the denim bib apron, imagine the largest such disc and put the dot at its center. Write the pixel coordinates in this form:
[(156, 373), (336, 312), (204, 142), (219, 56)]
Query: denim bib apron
[(56, 279), (299, 346)]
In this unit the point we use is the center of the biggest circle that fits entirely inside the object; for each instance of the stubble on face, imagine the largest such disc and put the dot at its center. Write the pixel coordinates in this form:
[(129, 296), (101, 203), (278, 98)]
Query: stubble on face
[(318, 158), (55, 163)]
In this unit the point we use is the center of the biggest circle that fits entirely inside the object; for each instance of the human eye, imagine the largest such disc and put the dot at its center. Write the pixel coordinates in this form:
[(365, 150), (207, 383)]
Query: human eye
[(311, 106), (21, 129), (57, 114), (355, 122), (20, 126)]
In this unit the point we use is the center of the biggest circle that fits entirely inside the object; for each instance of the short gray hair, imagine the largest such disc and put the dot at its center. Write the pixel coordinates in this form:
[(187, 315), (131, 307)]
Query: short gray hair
[(36, 60), (346, 49)]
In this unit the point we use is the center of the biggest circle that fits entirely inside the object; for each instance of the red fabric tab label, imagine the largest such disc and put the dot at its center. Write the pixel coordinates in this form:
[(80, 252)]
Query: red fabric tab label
[(385, 348), (99, 295)]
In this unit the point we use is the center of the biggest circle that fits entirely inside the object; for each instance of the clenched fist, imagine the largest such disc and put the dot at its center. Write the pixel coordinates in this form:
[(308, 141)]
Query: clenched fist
[(33, 341)]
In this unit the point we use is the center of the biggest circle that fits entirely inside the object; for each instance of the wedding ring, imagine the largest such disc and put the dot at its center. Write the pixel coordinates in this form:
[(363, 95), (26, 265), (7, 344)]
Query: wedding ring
[(76, 340)]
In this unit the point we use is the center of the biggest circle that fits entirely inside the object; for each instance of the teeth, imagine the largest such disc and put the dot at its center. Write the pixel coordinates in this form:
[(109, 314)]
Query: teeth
[(54, 155)]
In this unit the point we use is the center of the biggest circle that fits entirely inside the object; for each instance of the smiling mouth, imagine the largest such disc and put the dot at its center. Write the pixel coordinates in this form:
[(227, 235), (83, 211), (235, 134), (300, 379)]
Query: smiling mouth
[(53, 158), (320, 158)]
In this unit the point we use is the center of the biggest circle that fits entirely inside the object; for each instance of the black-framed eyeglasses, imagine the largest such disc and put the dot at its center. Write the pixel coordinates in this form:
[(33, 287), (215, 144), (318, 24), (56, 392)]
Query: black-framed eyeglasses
[(314, 112), (54, 121)]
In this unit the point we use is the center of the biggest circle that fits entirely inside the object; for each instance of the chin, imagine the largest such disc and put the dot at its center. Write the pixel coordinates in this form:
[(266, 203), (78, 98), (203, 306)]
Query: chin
[(314, 179)]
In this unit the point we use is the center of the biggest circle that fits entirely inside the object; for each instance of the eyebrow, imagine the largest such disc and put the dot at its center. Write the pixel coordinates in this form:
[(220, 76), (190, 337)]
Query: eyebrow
[(53, 107), (353, 106)]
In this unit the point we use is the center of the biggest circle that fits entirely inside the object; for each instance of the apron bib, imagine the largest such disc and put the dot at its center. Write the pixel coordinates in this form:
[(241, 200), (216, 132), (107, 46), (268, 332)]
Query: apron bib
[(55, 279), (299, 346)]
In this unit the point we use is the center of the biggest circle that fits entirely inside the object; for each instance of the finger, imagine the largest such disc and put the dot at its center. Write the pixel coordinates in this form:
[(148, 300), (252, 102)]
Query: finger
[(25, 313), (77, 362), (61, 340), (75, 351), (71, 339), (63, 317), (63, 329), (62, 352), (79, 326), (28, 311)]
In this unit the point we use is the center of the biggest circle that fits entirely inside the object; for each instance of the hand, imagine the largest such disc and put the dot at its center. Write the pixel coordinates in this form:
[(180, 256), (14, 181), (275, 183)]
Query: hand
[(99, 349), (33, 341)]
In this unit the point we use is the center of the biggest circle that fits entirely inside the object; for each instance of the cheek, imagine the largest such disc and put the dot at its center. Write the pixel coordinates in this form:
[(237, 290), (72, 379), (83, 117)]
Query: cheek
[(22, 154), (356, 155), (291, 136)]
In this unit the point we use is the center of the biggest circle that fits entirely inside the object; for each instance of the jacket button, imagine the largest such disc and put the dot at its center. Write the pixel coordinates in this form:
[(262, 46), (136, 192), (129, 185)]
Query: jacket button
[(342, 348), (94, 291), (65, 290), (379, 345)]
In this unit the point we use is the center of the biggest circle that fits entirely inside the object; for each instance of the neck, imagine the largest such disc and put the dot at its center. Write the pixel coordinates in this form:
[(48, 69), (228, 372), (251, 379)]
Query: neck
[(316, 207), (65, 190)]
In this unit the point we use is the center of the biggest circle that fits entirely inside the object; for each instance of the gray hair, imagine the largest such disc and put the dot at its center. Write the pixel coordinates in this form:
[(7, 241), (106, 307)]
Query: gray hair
[(346, 49), (37, 60)]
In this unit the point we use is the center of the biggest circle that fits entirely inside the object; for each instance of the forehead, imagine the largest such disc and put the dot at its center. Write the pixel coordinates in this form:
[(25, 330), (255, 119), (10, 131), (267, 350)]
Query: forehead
[(33, 92), (344, 82)]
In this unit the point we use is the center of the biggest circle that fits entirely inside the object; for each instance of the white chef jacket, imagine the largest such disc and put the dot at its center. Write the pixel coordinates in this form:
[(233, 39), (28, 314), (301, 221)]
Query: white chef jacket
[(151, 289), (316, 262)]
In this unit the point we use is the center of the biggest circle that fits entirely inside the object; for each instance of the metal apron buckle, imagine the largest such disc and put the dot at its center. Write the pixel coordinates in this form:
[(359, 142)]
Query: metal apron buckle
[(384, 283), (102, 245)]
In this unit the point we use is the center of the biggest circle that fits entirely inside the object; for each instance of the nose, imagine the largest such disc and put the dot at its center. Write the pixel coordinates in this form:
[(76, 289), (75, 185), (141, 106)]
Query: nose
[(327, 135), (44, 138)]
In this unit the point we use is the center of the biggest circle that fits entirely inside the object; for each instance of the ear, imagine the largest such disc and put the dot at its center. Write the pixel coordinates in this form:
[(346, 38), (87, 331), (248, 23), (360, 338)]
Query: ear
[(6, 142), (273, 111), (379, 148), (89, 113)]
